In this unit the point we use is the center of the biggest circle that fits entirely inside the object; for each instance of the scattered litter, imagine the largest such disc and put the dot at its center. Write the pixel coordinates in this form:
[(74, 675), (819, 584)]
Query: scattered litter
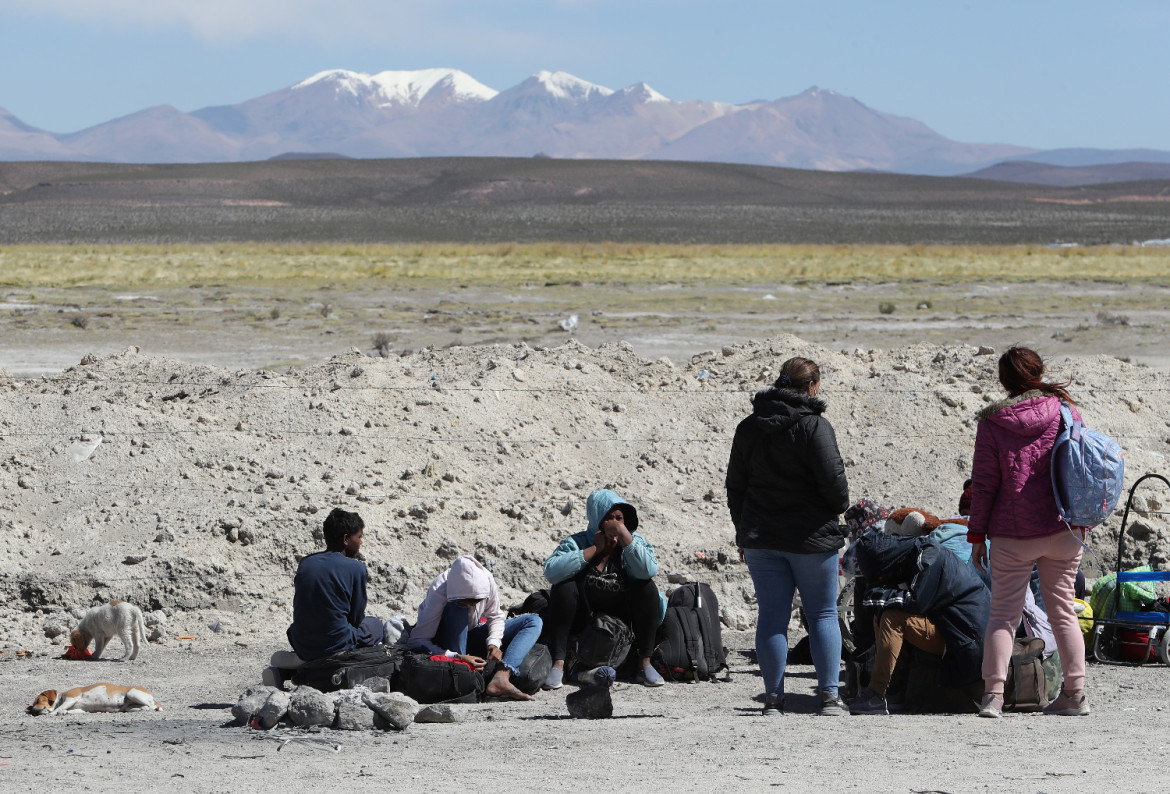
[(81, 450), (704, 375), (185, 637), (311, 741), (568, 324), (769, 297)]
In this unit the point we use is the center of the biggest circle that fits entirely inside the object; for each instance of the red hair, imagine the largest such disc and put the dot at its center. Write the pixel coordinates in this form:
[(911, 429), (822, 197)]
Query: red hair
[(1021, 369)]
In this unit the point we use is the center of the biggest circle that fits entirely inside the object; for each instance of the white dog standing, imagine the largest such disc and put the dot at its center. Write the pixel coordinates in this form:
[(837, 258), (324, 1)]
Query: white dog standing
[(115, 619)]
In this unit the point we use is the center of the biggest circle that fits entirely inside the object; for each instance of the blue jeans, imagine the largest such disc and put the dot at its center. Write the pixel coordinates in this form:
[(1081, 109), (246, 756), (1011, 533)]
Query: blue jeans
[(520, 634), (777, 575)]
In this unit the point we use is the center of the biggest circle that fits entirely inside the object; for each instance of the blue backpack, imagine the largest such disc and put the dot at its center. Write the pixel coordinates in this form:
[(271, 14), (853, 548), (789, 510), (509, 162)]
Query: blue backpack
[(1087, 472)]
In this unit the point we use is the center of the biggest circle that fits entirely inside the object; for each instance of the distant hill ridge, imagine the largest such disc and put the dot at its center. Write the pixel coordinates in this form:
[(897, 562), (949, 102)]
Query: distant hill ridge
[(446, 112), (497, 199)]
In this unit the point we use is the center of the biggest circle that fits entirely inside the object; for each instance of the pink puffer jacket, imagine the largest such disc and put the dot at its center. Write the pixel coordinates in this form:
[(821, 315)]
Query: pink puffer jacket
[(1011, 480)]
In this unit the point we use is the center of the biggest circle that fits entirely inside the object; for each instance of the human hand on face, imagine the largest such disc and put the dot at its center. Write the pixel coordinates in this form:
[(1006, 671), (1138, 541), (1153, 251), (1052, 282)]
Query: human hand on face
[(614, 526), (602, 543)]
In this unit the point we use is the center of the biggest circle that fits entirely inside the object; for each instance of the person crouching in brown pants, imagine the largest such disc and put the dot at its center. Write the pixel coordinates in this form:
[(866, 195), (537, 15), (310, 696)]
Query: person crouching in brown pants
[(924, 595)]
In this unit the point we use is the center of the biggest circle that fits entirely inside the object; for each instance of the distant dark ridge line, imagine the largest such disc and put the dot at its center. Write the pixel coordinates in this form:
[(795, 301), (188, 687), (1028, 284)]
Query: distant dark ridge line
[(493, 199)]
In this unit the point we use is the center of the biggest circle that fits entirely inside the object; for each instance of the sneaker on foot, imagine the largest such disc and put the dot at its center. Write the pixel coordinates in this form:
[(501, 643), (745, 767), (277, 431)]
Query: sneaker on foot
[(555, 680), (869, 702), (1068, 705), (832, 705), (773, 705), (650, 677), (992, 705)]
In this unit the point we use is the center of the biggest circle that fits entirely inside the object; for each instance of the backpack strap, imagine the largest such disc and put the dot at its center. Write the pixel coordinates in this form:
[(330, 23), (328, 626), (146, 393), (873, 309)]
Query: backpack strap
[(693, 642)]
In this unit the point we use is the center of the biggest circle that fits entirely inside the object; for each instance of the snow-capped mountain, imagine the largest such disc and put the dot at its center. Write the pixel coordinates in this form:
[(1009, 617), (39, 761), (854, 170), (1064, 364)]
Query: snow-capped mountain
[(446, 112), (402, 89)]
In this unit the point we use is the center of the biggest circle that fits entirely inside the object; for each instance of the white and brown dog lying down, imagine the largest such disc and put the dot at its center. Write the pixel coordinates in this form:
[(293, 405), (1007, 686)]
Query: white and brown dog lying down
[(94, 698), (102, 623)]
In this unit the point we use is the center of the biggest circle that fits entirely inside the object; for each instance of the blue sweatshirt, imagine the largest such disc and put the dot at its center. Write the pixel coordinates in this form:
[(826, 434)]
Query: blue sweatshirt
[(329, 604), (637, 559)]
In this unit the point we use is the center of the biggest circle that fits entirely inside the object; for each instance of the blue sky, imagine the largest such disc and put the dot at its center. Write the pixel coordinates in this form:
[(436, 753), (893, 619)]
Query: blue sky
[(1042, 74)]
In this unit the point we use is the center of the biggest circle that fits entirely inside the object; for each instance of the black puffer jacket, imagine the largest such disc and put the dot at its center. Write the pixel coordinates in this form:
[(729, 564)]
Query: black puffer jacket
[(786, 480)]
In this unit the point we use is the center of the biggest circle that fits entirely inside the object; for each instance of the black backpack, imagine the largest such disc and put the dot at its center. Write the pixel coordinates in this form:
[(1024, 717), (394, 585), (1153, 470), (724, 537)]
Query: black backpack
[(534, 670), (692, 636), (605, 642), (430, 681), (535, 604), (347, 669)]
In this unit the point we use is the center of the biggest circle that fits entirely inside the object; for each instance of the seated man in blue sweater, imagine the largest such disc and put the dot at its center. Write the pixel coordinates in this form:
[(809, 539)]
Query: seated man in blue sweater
[(329, 602)]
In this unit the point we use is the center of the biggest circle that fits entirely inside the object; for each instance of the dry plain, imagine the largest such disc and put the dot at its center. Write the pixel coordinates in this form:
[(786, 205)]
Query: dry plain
[(255, 402)]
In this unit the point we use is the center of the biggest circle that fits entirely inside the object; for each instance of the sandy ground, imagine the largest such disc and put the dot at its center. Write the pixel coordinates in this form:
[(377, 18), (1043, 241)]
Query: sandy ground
[(681, 737), (210, 482), (298, 325)]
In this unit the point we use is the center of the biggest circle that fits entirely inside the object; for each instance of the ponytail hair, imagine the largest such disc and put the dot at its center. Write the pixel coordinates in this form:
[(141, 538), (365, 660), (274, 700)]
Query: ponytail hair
[(1021, 369), (798, 374)]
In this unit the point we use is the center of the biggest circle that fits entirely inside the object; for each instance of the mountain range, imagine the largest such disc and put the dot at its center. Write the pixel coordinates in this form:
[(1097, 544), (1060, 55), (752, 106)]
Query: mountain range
[(445, 112)]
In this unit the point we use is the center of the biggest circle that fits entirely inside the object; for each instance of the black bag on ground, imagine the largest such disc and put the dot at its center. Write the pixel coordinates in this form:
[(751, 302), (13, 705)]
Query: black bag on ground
[(926, 694), (430, 681), (692, 635), (348, 669), (605, 642), (1026, 688), (534, 670), (534, 604)]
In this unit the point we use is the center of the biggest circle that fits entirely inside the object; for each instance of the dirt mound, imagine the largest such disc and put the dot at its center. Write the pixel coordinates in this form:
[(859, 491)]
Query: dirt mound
[(186, 488)]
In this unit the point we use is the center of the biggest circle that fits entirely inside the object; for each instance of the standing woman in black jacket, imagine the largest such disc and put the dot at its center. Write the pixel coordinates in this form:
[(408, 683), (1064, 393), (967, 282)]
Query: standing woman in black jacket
[(786, 488)]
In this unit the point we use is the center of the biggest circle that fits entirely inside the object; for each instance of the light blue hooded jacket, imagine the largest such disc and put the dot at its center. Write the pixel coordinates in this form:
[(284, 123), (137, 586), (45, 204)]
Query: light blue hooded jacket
[(638, 560)]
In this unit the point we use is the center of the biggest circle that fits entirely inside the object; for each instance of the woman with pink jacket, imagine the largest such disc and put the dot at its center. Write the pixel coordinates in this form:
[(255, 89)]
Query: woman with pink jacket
[(1012, 502)]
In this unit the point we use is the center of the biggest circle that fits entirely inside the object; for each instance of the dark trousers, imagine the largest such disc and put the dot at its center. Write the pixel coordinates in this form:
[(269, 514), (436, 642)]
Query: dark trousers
[(638, 605)]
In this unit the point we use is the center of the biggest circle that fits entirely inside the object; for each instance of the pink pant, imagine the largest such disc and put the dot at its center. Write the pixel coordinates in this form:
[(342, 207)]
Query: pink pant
[(1057, 557)]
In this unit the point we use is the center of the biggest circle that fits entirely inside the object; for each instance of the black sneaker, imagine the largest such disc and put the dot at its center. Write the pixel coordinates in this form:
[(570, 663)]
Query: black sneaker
[(832, 705), (773, 706), (869, 702)]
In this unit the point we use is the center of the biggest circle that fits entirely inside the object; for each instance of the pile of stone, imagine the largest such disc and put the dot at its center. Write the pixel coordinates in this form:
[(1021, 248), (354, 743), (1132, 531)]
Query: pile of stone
[(367, 707)]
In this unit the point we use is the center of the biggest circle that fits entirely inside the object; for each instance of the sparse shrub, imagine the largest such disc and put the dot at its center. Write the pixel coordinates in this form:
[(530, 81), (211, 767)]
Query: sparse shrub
[(885, 307), (1105, 318), (274, 314), (382, 344), (80, 321), (1125, 359), (326, 309)]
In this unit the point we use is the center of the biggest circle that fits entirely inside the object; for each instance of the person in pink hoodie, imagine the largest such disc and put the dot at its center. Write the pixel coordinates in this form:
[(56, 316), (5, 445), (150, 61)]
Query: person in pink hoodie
[(460, 618), (1012, 502)]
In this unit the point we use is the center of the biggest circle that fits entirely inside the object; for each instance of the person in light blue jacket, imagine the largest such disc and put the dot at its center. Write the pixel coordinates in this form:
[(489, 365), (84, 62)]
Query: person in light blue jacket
[(608, 568)]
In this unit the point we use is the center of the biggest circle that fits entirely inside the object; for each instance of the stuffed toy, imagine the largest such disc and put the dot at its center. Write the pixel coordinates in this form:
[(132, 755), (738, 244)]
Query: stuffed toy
[(912, 521)]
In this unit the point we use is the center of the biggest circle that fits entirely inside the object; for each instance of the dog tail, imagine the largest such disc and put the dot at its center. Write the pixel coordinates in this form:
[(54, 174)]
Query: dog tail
[(142, 627)]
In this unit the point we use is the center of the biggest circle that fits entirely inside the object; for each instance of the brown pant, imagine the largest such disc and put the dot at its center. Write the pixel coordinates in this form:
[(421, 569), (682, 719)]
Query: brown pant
[(891, 630)]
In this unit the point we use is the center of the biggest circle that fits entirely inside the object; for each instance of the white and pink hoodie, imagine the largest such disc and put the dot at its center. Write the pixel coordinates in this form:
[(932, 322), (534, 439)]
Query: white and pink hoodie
[(466, 578)]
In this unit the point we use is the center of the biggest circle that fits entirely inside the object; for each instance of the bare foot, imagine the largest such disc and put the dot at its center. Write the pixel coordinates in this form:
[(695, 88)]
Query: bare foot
[(497, 690)]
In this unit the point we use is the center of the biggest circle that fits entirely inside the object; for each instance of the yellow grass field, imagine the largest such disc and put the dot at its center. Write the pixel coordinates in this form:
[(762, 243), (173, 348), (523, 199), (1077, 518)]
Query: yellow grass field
[(502, 265)]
